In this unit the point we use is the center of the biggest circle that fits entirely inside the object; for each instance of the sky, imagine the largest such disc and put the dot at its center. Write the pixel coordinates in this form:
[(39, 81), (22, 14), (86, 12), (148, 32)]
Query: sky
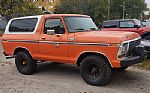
[(148, 3)]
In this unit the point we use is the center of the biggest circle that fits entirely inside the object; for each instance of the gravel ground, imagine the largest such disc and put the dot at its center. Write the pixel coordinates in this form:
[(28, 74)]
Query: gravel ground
[(61, 78)]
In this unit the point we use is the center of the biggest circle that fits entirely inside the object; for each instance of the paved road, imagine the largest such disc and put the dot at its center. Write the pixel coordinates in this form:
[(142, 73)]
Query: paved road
[(60, 78)]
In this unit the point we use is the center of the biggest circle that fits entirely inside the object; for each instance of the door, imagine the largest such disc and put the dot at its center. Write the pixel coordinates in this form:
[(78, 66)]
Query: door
[(54, 47)]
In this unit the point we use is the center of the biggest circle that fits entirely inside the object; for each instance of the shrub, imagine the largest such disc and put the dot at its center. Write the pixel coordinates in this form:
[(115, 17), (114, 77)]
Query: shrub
[(144, 65)]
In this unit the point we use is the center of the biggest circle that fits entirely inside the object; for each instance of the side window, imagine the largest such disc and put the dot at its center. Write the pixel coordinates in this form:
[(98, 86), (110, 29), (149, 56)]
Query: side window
[(54, 24), (23, 25), (126, 24), (111, 24)]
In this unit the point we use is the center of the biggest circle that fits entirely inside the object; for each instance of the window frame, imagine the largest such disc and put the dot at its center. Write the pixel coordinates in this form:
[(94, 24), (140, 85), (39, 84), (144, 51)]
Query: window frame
[(61, 21), (74, 16), (28, 17)]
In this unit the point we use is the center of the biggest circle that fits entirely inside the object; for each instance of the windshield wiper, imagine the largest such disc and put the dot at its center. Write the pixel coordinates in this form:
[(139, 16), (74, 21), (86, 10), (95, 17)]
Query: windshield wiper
[(92, 28), (80, 29)]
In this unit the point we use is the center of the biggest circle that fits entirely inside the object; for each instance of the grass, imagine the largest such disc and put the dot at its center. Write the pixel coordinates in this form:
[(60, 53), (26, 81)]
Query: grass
[(144, 65)]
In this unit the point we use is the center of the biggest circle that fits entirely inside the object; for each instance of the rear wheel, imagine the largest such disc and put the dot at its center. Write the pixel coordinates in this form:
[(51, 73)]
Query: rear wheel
[(25, 63), (95, 70)]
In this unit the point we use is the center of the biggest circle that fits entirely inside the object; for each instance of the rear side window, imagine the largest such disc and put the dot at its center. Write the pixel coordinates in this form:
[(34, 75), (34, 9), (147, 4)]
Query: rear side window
[(23, 25), (111, 24), (126, 24)]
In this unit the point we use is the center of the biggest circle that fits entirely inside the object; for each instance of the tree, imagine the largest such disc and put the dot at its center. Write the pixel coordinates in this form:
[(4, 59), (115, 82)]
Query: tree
[(136, 10), (98, 9), (15, 8), (133, 8), (69, 6), (46, 5), (95, 8)]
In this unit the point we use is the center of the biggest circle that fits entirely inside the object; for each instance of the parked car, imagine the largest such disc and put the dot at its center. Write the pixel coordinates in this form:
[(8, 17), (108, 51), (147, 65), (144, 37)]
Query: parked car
[(127, 25), (70, 39)]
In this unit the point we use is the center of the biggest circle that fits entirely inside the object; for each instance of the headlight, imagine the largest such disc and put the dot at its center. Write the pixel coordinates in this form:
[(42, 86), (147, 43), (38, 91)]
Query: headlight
[(124, 47)]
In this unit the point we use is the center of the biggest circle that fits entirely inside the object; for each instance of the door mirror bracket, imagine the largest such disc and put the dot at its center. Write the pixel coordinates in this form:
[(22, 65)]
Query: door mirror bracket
[(50, 32)]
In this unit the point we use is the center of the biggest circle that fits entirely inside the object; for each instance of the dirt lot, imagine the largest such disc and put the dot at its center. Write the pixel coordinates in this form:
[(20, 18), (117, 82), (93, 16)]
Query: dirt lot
[(60, 78)]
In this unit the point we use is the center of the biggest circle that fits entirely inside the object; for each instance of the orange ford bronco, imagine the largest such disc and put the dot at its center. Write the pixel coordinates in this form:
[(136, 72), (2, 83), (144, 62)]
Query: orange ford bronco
[(70, 39)]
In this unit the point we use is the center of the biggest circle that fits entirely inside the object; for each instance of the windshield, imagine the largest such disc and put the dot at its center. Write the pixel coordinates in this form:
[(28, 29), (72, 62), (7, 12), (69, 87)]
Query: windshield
[(80, 24)]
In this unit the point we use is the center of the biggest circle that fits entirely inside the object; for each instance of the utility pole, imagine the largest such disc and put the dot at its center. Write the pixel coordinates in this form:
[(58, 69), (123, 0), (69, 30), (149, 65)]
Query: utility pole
[(124, 9), (108, 16)]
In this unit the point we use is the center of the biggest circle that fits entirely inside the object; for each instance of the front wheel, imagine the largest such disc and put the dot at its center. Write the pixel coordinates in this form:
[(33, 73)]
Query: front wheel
[(95, 70), (25, 63)]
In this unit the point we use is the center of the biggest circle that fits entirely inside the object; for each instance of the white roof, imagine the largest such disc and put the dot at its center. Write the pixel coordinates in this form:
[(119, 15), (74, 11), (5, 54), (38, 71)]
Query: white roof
[(28, 17)]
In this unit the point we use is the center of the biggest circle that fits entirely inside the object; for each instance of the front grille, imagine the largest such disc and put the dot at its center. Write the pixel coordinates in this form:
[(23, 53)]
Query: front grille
[(132, 45)]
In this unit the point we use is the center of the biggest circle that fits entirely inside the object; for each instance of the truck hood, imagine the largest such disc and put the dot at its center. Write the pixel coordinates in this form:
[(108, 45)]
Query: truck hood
[(115, 37)]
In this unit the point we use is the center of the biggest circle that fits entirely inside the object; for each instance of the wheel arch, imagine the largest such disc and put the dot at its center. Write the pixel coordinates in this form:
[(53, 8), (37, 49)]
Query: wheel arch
[(18, 49), (87, 53)]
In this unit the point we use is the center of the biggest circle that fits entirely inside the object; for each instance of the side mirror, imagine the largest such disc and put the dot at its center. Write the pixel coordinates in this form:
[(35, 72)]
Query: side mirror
[(136, 26), (50, 32)]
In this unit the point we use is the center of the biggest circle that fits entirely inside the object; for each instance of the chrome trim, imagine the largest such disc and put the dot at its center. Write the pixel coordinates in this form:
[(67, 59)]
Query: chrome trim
[(128, 41), (127, 46), (100, 44), (76, 43), (51, 42), (32, 41), (132, 40)]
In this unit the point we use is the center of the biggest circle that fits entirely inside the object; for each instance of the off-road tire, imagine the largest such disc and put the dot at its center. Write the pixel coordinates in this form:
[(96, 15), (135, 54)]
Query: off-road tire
[(103, 69), (25, 63)]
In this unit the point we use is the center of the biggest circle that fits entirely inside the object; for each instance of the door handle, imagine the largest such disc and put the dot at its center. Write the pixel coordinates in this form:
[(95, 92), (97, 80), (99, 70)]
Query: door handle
[(43, 38), (71, 39)]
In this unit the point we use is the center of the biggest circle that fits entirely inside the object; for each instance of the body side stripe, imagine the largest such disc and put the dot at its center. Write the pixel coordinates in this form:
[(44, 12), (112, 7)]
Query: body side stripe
[(50, 42)]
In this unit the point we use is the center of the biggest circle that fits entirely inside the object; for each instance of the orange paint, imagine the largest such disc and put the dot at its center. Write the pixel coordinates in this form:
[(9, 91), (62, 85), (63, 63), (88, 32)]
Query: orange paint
[(61, 49)]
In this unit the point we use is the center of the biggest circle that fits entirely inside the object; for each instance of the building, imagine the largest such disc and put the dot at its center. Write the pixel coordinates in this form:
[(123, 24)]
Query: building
[(146, 15)]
